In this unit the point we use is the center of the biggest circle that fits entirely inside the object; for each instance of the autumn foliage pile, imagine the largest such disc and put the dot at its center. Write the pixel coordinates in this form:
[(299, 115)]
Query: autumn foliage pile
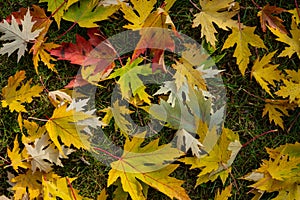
[(41, 144)]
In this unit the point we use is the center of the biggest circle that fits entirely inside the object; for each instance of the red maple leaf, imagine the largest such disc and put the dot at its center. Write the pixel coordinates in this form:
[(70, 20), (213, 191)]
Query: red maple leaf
[(266, 17)]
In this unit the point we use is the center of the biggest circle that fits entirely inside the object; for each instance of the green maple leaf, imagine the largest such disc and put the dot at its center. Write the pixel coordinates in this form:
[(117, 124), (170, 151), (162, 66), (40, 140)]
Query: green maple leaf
[(88, 13), (130, 83)]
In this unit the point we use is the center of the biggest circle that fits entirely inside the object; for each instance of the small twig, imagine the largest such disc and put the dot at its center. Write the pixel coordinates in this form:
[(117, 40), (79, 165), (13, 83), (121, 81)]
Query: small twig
[(5, 160), (294, 121), (195, 5), (297, 8), (254, 95), (45, 88), (42, 120), (234, 180), (69, 29), (71, 188), (258, 136), (106, 152), (259, 7)]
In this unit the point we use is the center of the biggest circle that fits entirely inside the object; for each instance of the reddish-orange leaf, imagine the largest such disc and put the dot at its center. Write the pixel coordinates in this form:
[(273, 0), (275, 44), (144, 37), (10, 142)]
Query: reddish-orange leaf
[(266, 16)]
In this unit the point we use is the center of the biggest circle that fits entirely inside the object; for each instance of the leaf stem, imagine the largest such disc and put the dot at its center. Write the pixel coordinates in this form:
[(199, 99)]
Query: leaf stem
[(71, 188), (58, 8), (106, 152), (42, 120), (195, 5), (297, 8), (258, 136), (69, 29), (258, 6)]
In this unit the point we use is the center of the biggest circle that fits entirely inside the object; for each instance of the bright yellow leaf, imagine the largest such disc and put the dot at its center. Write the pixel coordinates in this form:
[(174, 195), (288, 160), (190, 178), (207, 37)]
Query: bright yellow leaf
[(291, 90), (27, 182), (276, 109), (225, 194), (17, 158), (242, 38), (13, 97), (148, 164), (215, 12), (293, 42), (63, 124), (266, 73), (143, 8)]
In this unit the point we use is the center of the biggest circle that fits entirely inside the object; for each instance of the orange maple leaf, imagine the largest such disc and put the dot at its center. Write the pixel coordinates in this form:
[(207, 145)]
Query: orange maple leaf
[(266, 17)]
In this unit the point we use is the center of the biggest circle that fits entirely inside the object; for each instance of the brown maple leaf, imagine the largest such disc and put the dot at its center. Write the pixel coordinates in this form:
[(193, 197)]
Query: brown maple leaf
[(266, 16)]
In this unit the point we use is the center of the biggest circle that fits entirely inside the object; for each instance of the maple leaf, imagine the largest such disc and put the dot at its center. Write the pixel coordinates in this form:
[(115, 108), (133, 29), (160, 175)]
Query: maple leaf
[(266, 16), (17, 159), (20, 37), (218, 161), (296, 16), (156, 36), (279, 173), (266, 73), (27, 182), (14, 98), (291, 90), (34, 131), (147, 164), (40, 50), (225, 194), (243, 37), (293, 42), (129, 82), (186, 72), (42, 149), (276, 109), (63, 124), (142, 7), (210, 13), (56, 186), (59, 7), (186, 140), (88, 12), (95, 55)]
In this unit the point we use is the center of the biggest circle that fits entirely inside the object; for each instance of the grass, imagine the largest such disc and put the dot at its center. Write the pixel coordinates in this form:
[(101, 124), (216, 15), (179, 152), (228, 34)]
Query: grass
[(244, 108)]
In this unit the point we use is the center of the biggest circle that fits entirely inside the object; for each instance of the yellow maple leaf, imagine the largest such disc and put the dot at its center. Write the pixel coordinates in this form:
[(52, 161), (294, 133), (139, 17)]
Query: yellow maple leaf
[(225, 194), (218, 162), (14, 98), (27, 182), (293, 42), (266, 73), (16, 157), (276, 109), (63, 124), (142, 7), (149, 164), (291, 90), (55, 186), (242, 38), (217, 12)]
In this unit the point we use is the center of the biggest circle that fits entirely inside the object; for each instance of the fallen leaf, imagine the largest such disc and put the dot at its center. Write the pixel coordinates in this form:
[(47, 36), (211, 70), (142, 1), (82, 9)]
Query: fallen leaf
[(88, 12), (266, 73), (210, 14), (14, 98), (265, 15), (20, 38), (147, 165), (242, 38)]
